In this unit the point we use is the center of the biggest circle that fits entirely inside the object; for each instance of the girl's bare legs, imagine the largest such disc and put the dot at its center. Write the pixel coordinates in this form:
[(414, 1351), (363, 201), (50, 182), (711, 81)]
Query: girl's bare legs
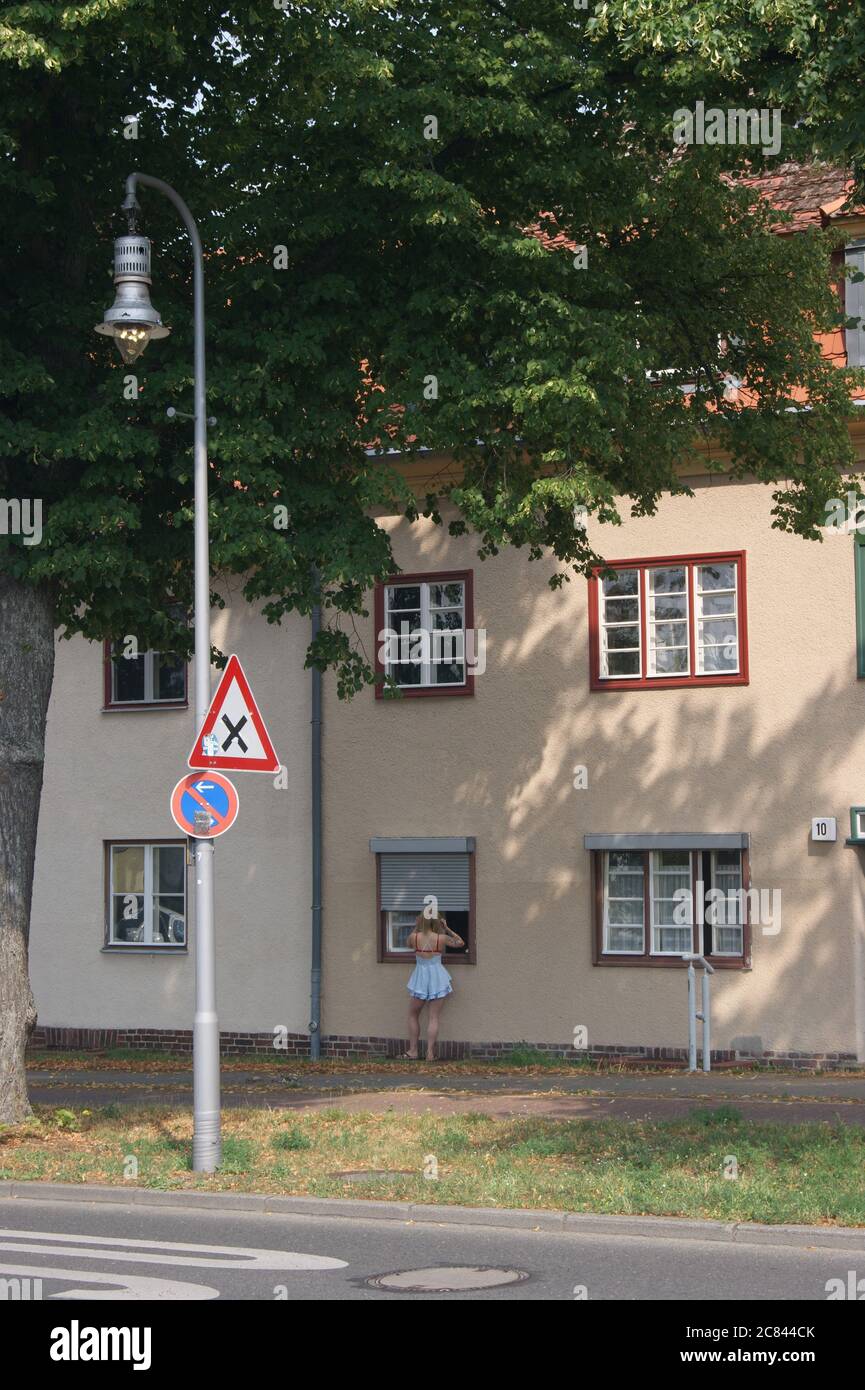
[(414, 1008), (432, 1027)]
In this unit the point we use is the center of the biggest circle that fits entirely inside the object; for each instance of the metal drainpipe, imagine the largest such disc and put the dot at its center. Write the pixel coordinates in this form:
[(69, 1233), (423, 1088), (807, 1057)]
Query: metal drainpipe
[(315, 973)]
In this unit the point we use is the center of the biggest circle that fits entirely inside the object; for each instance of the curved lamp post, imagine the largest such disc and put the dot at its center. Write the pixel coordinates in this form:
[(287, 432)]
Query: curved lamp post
[(132, 321)]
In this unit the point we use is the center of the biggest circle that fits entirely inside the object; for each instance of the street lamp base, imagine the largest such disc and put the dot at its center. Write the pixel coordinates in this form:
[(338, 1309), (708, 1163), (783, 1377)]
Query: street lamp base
[(206, 1143)]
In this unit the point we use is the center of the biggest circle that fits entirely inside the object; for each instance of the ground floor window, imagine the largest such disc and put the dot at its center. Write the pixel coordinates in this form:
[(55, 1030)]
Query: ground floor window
[(410, 873), (400, 925), (146, 894), (661, 897)]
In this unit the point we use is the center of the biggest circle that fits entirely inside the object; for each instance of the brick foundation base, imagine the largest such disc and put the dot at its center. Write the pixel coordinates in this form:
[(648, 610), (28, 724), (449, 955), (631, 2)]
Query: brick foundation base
[(358, 1048)]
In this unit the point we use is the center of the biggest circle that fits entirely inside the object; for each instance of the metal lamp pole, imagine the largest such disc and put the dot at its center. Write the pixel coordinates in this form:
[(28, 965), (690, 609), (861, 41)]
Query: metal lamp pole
[(135, 318)]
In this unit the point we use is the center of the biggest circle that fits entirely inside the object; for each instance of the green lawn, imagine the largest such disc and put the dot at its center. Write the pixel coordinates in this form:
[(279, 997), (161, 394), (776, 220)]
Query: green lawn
[(518, 1059), (786, 1173)]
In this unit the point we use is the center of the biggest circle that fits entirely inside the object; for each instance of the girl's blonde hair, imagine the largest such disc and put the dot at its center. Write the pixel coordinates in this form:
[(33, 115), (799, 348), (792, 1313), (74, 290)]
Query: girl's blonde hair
[(434, 924)]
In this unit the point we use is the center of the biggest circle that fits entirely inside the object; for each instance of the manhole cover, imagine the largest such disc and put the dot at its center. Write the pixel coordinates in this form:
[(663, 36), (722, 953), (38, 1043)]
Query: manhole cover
[(447, 1279), (374, 1174)]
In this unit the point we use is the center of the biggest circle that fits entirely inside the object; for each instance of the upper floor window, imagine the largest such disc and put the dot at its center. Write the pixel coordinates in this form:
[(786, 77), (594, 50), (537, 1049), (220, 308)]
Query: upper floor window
[(146, 678), (667, 622), (854, 304), (424, 633)]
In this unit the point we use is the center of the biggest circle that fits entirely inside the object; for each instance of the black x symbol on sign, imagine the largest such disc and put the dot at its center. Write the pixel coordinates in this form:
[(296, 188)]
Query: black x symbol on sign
[(234, 733)]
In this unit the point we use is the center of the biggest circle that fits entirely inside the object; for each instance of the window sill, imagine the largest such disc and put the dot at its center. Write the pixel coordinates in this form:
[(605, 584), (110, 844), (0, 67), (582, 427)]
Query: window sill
[(407, 958), (139, 706), (133, 949), (424, 692), (668, 682), (674, 963)]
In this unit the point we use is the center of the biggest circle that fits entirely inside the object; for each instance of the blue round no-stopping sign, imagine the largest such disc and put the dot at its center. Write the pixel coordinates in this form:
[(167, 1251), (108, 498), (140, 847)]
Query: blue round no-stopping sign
[(204, 805)]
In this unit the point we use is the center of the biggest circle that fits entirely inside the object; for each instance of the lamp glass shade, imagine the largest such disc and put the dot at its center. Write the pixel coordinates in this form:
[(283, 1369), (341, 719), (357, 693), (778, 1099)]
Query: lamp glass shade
[(131, 340)]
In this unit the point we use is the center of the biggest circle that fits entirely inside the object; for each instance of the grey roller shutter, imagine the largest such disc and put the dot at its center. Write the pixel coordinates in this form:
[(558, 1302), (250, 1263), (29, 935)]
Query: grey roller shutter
[(425, 844), (854, 305), (406, 879)]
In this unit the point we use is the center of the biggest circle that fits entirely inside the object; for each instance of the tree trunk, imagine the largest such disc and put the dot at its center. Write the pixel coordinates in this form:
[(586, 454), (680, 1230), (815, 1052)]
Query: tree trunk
[(26, 673)]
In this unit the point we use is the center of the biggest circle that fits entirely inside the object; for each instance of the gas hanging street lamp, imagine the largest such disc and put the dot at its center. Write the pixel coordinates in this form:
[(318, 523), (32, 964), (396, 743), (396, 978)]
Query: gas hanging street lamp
[(132, 321)]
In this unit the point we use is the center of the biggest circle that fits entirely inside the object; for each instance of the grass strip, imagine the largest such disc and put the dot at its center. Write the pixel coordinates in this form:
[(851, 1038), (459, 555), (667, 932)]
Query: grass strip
[(809, 1173)]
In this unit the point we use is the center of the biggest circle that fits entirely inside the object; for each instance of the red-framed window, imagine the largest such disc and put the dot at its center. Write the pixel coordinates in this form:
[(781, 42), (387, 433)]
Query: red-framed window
[(652, 906), (424, 633), (675, 620), (145, 680)]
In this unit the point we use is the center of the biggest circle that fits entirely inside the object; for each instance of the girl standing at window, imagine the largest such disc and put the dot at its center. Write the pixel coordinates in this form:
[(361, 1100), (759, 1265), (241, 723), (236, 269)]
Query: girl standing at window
[(429, 983)]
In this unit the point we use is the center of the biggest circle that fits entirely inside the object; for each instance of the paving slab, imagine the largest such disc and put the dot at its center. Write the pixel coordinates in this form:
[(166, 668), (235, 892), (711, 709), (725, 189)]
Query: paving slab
[(836, 1086)]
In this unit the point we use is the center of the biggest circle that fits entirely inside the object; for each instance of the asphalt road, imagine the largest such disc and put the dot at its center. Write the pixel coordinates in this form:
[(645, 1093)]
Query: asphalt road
[(86, 1250)]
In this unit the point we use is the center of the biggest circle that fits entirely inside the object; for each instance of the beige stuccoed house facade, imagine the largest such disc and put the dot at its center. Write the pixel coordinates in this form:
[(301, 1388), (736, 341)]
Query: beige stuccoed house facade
[(631, 755), (508, 800), (753, 762), (110, 768)]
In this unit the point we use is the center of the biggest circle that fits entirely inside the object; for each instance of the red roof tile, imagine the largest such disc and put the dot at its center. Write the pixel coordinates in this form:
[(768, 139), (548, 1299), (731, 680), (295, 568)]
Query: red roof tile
[(812, 194)]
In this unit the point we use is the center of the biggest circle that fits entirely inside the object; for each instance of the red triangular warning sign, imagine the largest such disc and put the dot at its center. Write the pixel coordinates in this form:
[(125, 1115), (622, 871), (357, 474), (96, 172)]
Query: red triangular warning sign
[(233, 736)]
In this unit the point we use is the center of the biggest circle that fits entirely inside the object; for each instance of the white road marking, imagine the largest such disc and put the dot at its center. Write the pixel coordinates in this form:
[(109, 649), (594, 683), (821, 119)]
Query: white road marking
[(141, 1251), (134, 1287)]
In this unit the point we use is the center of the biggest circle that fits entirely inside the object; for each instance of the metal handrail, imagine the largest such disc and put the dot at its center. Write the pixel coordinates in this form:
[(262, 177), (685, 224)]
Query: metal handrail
[(705, 1014)]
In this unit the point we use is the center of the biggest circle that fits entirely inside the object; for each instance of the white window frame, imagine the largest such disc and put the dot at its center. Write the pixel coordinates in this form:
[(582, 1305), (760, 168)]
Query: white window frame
[(653, 925), (604, 626), (854, 300), (701, 617), (149, 894), (618, 951), (739, 926), (697, 923), (427, 668), (150, 684), (651, 672), (391, 914)]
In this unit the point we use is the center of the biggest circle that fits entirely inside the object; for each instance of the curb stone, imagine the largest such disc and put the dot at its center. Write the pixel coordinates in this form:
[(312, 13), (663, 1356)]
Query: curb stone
[(850, 1239)]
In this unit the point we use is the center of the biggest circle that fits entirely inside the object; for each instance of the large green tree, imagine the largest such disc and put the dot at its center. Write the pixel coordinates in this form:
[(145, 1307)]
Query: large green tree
[(806, 57), (430, 171)]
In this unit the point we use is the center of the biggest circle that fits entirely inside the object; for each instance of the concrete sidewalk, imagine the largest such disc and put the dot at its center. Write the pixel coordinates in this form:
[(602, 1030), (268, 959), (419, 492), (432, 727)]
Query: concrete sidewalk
[(782, 1099)]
